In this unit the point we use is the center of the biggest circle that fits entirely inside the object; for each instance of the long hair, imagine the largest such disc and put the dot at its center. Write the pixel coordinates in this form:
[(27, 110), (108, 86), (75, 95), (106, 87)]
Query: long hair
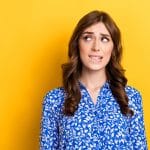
[(114, 70)]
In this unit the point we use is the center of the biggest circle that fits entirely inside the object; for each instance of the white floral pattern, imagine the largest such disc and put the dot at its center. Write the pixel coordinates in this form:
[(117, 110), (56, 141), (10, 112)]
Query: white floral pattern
[(99, 126)]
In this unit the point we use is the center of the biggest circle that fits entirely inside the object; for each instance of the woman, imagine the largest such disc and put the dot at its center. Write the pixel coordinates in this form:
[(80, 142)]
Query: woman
[(95, 109)]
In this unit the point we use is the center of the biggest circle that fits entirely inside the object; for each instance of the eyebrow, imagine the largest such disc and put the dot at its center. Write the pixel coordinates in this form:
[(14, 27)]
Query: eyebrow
[(102, 34)]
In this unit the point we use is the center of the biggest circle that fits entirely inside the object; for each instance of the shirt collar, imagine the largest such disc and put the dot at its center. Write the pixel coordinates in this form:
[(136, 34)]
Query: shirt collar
[(105, 86)]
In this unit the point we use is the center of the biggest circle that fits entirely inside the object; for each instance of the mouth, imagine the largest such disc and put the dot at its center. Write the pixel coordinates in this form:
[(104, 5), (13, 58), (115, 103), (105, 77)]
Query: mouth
[(95, 58)]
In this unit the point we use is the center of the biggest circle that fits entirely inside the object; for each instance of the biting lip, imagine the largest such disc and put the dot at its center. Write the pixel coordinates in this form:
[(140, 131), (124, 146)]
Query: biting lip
[(96, 56)]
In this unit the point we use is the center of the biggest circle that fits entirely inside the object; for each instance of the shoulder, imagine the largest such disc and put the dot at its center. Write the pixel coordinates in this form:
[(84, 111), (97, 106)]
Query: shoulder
[(135, 98), (54, 98), (132, 91)]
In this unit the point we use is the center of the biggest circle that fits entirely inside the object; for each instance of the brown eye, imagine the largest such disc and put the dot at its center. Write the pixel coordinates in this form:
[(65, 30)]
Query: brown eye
[(87, 38), (105, 39)]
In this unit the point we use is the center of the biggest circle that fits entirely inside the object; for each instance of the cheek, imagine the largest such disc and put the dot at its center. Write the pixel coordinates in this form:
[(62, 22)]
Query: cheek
[(84, 47), (108, 53), (83, 50), (109, 50)]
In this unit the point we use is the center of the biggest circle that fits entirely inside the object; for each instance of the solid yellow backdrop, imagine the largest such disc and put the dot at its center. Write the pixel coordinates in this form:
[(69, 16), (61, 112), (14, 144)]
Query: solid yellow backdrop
[(33, 44)]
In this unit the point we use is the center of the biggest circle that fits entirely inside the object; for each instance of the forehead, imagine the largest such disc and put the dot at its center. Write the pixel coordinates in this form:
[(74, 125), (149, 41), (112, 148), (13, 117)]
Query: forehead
[(97, 28)]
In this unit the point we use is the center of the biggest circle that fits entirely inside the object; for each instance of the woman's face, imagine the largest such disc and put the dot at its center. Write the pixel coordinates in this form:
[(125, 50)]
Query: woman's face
[(95, 47)]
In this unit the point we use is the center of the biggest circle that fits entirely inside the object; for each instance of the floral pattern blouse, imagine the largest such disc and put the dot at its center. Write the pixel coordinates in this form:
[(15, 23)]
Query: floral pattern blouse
[(99, 126)]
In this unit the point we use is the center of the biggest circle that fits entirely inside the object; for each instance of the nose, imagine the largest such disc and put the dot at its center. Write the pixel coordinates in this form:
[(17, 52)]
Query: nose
[(96, 45)]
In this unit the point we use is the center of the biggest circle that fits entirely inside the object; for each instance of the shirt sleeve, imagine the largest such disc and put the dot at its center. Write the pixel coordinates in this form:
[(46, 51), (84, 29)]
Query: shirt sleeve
[(49, 127), (137, 128)]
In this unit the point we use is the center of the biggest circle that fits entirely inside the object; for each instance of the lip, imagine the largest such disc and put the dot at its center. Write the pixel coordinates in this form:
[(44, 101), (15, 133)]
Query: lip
[(96, 56)]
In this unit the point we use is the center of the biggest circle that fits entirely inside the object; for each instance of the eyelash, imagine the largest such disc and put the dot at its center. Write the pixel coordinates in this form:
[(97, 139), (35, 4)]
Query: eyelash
[(102, 38), (86, 38), (105, 38)]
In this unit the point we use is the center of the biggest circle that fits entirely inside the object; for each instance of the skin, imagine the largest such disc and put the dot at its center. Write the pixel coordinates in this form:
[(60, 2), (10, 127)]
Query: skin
[(95, 48)]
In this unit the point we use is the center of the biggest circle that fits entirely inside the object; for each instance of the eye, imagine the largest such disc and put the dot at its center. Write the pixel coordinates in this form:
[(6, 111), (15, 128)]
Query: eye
[(105, 39), (87, 38)]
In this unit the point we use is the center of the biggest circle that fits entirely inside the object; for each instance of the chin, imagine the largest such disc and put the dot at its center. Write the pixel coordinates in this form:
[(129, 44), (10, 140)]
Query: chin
[(96, 68)]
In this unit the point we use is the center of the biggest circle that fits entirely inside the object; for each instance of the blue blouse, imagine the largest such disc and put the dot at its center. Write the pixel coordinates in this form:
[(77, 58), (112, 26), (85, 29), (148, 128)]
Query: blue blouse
[(99, 126)]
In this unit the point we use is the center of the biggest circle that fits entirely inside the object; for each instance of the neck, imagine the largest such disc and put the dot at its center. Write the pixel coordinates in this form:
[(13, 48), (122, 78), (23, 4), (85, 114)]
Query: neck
[(93, 80)]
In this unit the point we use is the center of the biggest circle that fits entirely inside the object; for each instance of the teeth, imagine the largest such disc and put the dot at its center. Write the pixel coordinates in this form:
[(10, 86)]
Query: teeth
[(96, 58)]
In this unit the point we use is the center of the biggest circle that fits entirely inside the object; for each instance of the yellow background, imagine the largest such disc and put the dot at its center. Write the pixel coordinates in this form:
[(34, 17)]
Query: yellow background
[(33, 44)]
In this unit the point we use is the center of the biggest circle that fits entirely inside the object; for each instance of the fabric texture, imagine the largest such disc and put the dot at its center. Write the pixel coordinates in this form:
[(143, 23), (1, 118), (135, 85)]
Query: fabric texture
[(99, 126)]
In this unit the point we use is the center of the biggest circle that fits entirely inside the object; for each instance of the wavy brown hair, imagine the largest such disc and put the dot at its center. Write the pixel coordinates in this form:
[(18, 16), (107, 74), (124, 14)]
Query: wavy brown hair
[(114, 70)]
